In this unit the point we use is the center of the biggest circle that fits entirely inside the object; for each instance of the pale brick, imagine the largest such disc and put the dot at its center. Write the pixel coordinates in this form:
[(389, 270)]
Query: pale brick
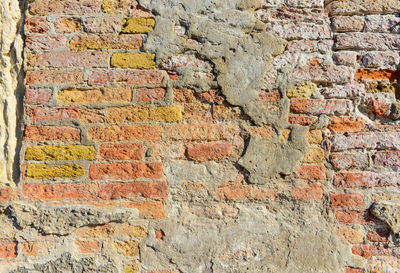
[(303, 46), (102, 25), (367, 41), (293, 31), (317, 106), (345, 91), (305, 3), (348, 23), (72, 59), (324, 74), (369, 140), (346, 7), (316, 16), (348, 58), (382, 23), (355, 160), (380, 59), (45, 42)]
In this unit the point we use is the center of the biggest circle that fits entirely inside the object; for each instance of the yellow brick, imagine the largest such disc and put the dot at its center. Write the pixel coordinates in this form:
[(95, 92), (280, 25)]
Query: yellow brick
[(314, 137), (43, 171), (60, 152), (87, 96), (172, 113), (112, 230), (133, 60), (129, 248), (132, 268), (303, 91), (314, 155), (286, 133), (384, 88), (109, 6), (137, 25)]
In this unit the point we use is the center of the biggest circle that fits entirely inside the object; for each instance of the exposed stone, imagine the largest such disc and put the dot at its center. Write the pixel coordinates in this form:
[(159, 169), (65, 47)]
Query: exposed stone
[(388, 212), (67, 264), (63, 220)]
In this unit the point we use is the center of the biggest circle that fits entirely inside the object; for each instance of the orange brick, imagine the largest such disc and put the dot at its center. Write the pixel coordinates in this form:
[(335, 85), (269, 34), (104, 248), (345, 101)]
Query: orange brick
[(308, 192)]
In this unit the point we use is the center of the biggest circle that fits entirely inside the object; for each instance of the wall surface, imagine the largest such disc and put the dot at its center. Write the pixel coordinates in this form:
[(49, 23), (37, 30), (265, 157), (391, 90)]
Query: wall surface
[(167, 136)]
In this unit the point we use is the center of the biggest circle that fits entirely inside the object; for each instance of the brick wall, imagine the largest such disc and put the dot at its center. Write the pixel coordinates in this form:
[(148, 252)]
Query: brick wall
[(137, 156)]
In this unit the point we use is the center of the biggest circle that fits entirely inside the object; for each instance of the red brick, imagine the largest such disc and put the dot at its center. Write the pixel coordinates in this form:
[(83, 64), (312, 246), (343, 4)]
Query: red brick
[(121, 152), (125, 171), (387, 159), (200, 132), (356, 160), (125, 133), (346, 199), (42, 191), (133, 189), (368, 251), (72, 59), (212, 96), (366, 179), (37, 96), (37, 24), (72, 7), (87, 247), (352, 216), (125, 76), (270, 96), (54, 77), (45, 41), (377, 75), (302, 120), (318, 106), (238, 191), (146, 95), (308, 192), (312, 172), (378, 235), (55, 133), (353, 270), (346, 124), (6, 194), (65, 113), (151, 209), (8, 250), (209, 151), (369, 140)]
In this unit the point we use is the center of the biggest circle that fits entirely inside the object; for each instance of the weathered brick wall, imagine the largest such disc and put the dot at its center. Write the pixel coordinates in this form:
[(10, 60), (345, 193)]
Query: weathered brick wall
[(201, 136)]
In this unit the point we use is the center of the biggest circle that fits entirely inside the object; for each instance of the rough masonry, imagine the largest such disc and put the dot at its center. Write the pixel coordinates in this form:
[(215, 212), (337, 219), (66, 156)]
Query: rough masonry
[(166, 136)]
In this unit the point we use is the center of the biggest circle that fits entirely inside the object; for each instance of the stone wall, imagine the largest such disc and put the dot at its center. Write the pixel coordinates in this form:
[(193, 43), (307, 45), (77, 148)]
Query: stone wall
[(166, 136)]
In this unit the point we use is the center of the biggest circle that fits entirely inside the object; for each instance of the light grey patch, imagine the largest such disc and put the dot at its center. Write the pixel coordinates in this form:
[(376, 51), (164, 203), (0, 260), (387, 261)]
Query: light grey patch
[(62, 220), (211, 172), (225, 33), (279, 237), (264, 158), (66, 264)]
